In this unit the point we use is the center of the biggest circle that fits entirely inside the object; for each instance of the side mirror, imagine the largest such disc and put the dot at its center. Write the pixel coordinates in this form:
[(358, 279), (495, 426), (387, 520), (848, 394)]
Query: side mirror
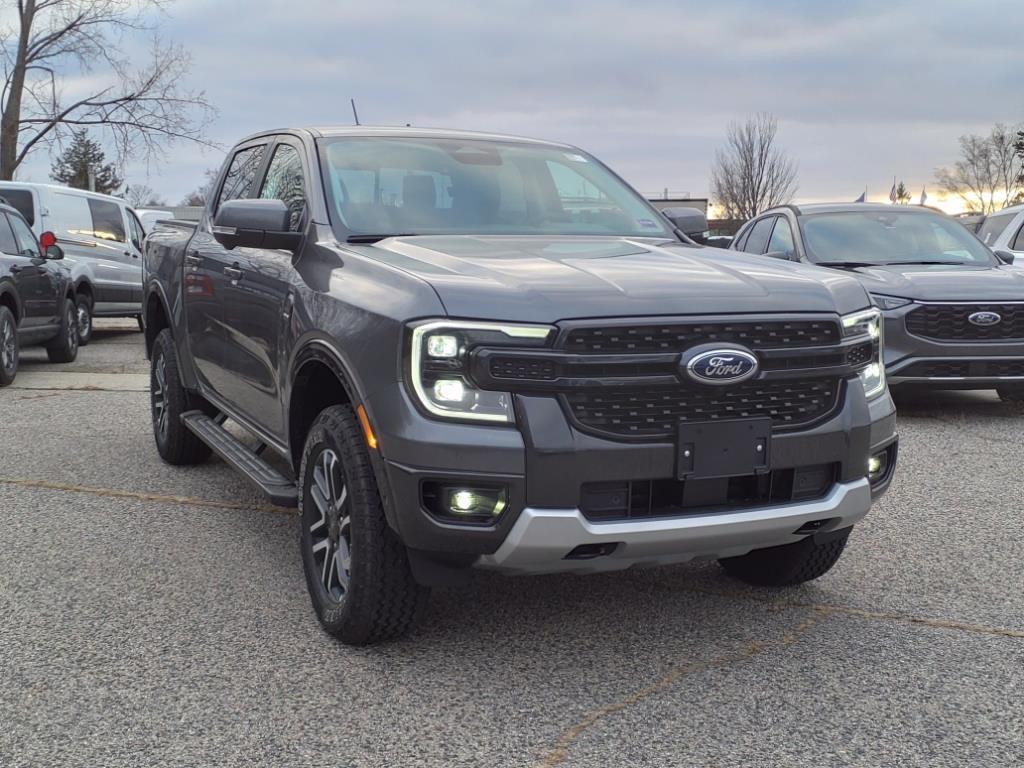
[(1004, 256), (48, 243), (255, 224), (55, 253), (690, 221), (784, 255)]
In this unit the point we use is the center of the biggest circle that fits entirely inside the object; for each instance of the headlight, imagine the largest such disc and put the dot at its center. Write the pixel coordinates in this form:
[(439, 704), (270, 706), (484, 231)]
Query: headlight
[(889, 302), (439, 359), (869, 325)]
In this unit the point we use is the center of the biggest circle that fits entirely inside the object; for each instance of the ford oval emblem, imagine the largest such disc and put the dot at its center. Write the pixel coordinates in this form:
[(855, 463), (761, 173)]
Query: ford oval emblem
[(985, 318), (722, 366)]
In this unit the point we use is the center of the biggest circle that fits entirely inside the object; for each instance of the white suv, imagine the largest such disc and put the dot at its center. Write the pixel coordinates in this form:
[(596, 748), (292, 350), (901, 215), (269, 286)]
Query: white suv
[(1004, 231), (102, 240)]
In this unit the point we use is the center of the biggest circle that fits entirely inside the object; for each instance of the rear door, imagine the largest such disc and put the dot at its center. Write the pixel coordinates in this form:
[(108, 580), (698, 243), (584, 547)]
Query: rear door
[(30, 276), (205, 279), (257, 297)]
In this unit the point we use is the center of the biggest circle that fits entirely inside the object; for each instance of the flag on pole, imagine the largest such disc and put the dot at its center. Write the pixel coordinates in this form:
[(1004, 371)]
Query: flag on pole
[(862, 195), (924, 196)]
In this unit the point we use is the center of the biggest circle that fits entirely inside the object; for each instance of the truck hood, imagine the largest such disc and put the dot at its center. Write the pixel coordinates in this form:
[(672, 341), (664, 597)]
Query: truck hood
[(935, 282), (546, 279)]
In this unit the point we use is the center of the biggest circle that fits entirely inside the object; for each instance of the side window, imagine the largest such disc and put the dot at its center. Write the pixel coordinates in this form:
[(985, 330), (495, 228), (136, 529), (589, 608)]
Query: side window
[(138, 234), (782, 237), (993, 226), (69, 214), (759, 235), (741, 238), (285, 181), (241, 174), (1018, 243), (107, 221), (27, 245), (21, 201), (8, 244)]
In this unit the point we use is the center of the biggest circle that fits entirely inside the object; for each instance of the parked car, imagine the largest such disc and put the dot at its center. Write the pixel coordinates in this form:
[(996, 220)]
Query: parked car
[(150, 216), (954, 311), (102, 241), (37, 298), (1004, 231), (473, 351)]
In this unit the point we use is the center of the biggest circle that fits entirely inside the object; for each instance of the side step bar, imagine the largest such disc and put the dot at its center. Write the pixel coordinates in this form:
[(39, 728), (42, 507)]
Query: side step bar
[(279, 489)]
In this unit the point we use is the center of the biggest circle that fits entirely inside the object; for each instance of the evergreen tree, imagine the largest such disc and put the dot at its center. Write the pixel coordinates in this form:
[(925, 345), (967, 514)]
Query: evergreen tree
[(902, 194), (72, 167)]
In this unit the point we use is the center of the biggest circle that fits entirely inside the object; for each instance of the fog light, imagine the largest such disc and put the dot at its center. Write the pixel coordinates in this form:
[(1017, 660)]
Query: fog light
[(449, 390), (475, 502), (877, 466), (442, 346)]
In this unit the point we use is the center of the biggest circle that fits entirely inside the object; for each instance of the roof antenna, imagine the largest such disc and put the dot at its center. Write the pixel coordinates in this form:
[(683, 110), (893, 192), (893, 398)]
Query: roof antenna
[(354, 113)]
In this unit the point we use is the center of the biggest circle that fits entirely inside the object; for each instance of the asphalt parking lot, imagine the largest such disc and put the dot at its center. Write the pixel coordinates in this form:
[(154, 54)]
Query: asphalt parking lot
[(158, 616)]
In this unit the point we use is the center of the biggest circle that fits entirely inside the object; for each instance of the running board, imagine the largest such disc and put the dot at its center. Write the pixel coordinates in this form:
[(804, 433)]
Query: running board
[(279, 489)]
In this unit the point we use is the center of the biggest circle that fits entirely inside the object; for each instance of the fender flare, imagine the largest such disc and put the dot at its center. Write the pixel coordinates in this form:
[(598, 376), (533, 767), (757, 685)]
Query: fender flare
[(7, 289)]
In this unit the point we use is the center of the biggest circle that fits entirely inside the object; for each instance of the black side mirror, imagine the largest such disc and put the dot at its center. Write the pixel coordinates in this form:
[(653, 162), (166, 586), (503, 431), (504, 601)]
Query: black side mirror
[(784, 255), (255, 224), (690, 221), (54, 253), (1004, 256)]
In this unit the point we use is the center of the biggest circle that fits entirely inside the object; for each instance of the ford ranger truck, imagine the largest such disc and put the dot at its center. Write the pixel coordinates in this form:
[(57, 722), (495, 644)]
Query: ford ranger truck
[(456, 351)]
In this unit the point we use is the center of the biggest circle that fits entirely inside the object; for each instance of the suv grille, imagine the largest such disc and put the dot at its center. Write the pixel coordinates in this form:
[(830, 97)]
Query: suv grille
[(657, 411), (676, 337), (948, 322)]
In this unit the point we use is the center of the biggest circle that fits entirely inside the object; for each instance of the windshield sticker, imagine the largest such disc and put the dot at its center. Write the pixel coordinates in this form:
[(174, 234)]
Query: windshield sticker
[(575, 158), (647, 223)]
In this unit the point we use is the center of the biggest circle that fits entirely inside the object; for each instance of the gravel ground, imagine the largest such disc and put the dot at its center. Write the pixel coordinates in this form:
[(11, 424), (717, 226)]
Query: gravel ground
[(154, 616)]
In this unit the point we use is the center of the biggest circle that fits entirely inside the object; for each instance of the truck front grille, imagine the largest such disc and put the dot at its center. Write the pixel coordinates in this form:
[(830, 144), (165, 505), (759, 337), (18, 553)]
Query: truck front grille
[(949, 322), (963, 369), (676, 337), (657, 411)]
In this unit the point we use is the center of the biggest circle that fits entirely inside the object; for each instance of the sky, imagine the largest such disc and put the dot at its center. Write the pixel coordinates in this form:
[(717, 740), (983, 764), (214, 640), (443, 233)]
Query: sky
[(863, 91)]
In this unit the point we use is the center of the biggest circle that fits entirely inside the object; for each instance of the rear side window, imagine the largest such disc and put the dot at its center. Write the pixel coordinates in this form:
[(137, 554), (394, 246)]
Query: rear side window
[(8, 244), (759, 235), (137, 232), (285, 182), (27, 245), (107, 221), (241, 174), (1018, 243), (993, 227), (21, 201)]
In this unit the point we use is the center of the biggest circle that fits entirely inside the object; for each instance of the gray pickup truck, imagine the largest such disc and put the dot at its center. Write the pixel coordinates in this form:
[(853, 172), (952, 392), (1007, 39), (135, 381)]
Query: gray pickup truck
[(457, 350)]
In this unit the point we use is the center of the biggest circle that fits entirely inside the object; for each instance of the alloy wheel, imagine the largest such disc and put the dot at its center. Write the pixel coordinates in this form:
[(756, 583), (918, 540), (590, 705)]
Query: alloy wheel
[(84, 320), (72, 321), (158, 396), (8, 351), (330, 533)]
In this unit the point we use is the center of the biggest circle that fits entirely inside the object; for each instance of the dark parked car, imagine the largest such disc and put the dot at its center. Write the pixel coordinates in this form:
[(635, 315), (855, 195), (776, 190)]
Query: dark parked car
[(472, 351), (954, 311), (37, 299)]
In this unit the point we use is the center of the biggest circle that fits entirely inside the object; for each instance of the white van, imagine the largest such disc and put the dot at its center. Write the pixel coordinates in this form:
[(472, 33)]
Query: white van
[(102, 241)]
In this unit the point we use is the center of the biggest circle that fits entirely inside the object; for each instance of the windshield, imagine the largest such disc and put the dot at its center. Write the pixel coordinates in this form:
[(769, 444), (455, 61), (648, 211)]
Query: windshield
[(380, 186), (890, 237)]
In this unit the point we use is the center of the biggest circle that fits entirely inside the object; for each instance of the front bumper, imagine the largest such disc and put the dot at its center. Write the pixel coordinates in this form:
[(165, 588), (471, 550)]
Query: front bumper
[(546, 460), (917, 360)]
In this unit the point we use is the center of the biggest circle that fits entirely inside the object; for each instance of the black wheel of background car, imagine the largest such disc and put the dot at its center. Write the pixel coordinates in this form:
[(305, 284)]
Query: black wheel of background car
[(357, 570), (64, 347), (791, 563), (8, 347), (168, 400), (1011, 393), (84, 320), (142, 325)]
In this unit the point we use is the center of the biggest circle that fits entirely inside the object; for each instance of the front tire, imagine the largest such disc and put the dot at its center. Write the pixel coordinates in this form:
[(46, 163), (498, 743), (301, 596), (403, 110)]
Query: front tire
[(357, 570), (9, 351), (84, 305), (168, 399), (789, 564), (1011, 393), (64, 348)]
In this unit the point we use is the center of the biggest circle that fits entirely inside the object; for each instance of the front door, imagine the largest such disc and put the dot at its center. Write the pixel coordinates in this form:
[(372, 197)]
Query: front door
[(257, 298), (208, 268), (36, 284)]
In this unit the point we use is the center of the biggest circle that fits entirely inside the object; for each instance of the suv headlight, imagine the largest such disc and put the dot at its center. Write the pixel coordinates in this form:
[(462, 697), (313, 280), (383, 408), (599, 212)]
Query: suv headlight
[(439, 359), (889, 302), (868, 324)]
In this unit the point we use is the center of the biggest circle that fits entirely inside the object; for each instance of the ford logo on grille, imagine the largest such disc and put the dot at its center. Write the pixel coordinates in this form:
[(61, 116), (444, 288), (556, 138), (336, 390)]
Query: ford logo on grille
[(985, 318), (721, 366)]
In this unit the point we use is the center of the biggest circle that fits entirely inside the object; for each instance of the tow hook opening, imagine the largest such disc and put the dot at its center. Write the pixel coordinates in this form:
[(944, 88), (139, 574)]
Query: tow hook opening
[(815, 526), (591, 551)]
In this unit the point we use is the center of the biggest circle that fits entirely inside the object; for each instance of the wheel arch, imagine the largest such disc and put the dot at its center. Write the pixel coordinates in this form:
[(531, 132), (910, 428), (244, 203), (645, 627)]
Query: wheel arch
[(10, 299), (157, 316)]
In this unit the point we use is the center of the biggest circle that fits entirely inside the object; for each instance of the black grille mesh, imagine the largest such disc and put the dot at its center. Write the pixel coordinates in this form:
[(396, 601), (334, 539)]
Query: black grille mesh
[(676, 337), (948, 322)]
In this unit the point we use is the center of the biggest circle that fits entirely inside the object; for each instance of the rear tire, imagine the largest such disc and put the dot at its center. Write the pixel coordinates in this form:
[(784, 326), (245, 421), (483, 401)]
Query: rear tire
[(64, 348), (789, 564), (9, 350), (168, 399), (84, 304), (357, 570), (1011, 393)]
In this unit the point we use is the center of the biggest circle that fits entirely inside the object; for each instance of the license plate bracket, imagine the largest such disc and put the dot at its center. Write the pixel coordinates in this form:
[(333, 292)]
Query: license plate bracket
[(724, 448)]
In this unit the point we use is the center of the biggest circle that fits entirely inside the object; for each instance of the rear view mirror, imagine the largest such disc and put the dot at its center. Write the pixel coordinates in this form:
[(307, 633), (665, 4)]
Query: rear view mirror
[(255, 224), (690, 221), (1004, 256)]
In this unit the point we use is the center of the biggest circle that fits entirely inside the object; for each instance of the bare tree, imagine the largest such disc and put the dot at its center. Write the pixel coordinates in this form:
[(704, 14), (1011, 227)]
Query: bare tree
[(142, 108), (751, 174), (142, 196), (198, 196), (989, 173)]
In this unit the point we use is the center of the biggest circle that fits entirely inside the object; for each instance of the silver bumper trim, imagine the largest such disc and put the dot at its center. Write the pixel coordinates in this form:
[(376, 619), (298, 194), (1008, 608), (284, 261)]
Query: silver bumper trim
[(541, 538)]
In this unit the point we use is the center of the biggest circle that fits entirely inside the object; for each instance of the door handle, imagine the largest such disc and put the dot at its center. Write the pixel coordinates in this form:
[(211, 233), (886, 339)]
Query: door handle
[(233, 272), (193, 259)]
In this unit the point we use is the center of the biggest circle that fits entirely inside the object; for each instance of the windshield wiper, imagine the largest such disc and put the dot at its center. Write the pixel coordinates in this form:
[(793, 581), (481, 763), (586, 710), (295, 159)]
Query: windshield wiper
[(375, 238), (947, 263), (846, 264)]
